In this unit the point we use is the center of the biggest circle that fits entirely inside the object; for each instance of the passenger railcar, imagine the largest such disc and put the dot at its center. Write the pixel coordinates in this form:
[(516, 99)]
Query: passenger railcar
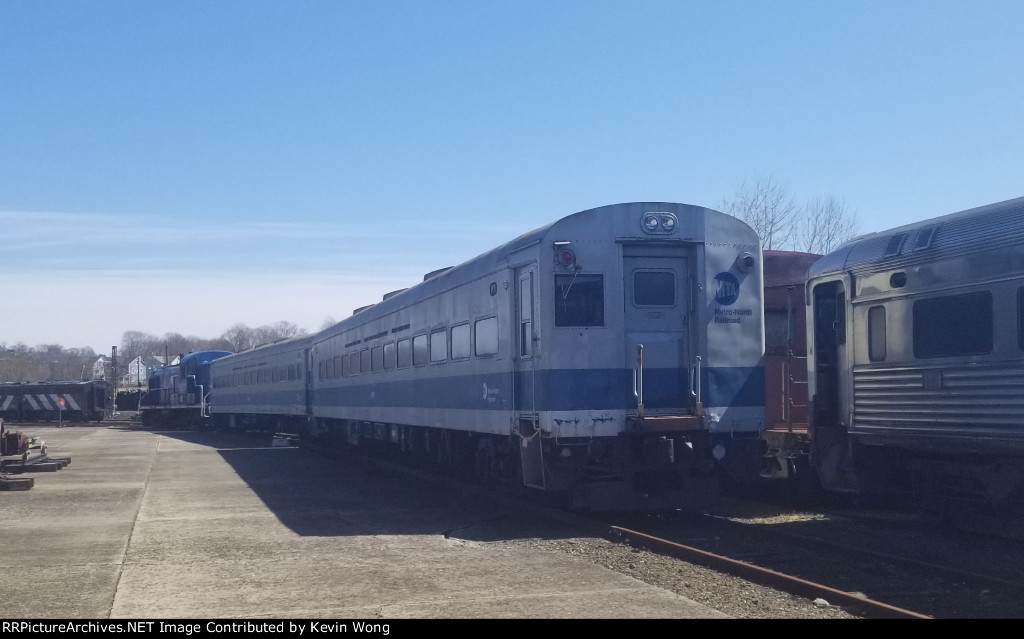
[(179, 395), (264, 389), (71, 401), (614, 354), (916, 369)]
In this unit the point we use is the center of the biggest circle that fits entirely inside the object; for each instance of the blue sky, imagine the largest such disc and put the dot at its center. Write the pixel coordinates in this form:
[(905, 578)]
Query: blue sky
[(184, 166)]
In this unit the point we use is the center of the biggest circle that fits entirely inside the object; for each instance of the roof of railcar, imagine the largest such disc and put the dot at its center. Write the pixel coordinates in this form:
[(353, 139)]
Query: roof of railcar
[(982, 228), (488, 262)]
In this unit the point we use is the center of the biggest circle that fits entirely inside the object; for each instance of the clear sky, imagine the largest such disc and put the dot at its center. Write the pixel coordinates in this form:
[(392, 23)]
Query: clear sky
[(183, 166)]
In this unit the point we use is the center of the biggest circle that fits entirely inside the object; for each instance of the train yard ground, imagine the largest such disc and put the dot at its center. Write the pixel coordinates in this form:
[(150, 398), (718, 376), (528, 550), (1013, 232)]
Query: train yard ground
[(160, 525)]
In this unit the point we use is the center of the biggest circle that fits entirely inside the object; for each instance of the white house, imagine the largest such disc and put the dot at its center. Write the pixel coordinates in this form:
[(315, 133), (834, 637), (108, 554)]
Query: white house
[(137, 373), (99, 367)]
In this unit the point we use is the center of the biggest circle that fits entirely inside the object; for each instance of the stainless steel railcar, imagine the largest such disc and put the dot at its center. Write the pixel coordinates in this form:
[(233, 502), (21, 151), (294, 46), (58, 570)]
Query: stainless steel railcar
[(614, 353), (916, 363)]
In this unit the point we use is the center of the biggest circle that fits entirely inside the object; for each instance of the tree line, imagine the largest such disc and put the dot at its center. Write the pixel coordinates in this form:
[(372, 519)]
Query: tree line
[(53, 362)]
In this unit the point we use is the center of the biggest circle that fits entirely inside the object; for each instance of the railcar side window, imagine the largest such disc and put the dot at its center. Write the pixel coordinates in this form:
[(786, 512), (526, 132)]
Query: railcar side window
[(323, 369), (953, 325), (389, 356), (654, 288), (404, 353), (579, 300), (332, 368), (876, 333), (439, 346), (420, 352), (353, 363), (364, 361), (460, 341), (378, 358), (486, 331)]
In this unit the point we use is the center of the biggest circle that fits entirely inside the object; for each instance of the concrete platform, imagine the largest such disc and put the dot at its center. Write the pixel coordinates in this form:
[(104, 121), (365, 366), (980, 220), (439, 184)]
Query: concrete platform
[(161, 525)]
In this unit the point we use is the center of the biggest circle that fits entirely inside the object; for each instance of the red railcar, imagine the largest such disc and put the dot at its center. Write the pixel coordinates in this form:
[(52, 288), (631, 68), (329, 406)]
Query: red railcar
[(785, 364)]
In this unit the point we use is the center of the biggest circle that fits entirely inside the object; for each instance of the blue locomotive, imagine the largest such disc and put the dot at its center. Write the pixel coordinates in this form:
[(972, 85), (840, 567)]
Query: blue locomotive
[(179, 395)]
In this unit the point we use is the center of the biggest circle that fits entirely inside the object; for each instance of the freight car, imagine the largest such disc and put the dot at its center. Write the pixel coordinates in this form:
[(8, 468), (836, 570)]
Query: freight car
[(916, 366), (67, 401), (613, 355)]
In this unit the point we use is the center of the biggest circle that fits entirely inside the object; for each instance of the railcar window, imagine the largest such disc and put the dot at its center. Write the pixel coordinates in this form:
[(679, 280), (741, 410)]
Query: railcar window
[(332, 368), (486, 334), (404, 353), (292, 371), (353, 363), (323, 369), (274, 376), (298, 371), (364, 361), (876, 333), (378, 358), (460, 341), (389, 356), (953, 325), (420, 353), (579, 300), (439, 346), (654, 288), (345, 369)]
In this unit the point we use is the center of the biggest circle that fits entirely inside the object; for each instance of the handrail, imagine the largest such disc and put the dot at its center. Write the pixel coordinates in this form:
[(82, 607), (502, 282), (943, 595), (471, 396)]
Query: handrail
[(638, 381)]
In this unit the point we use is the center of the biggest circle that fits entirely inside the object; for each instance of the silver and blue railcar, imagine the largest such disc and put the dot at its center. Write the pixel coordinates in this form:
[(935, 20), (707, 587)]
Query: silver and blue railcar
[(615, 353), (263, 389), (916, 362)]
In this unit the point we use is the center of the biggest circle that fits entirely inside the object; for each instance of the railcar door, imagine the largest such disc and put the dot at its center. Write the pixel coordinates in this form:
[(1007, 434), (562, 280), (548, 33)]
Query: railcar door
[(830, 397), (525, 419), (525, 336), (657, 326)]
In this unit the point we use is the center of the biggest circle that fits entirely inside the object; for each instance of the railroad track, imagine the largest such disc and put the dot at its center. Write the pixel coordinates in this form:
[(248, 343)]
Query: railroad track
[(903, 564)]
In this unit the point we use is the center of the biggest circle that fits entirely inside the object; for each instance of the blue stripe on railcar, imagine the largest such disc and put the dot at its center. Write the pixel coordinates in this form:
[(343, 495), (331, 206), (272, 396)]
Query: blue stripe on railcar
[(557, 390)]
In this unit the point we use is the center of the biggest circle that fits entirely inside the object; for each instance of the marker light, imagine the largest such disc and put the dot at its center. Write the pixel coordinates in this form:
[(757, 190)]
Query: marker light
[(566, 257), (659, 222)]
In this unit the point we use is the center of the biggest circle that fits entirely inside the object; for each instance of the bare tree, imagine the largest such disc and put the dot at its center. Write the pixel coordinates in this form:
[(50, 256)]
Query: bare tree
[(240, 337), (765, 204), (328, 322), (134, 344), (826, 223)]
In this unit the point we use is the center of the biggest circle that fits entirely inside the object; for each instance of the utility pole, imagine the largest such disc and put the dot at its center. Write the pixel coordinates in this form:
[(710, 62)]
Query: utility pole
[(113, 377)]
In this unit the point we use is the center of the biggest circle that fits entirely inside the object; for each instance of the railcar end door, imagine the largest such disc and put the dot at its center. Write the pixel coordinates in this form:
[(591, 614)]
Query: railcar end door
[(657, 317)]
